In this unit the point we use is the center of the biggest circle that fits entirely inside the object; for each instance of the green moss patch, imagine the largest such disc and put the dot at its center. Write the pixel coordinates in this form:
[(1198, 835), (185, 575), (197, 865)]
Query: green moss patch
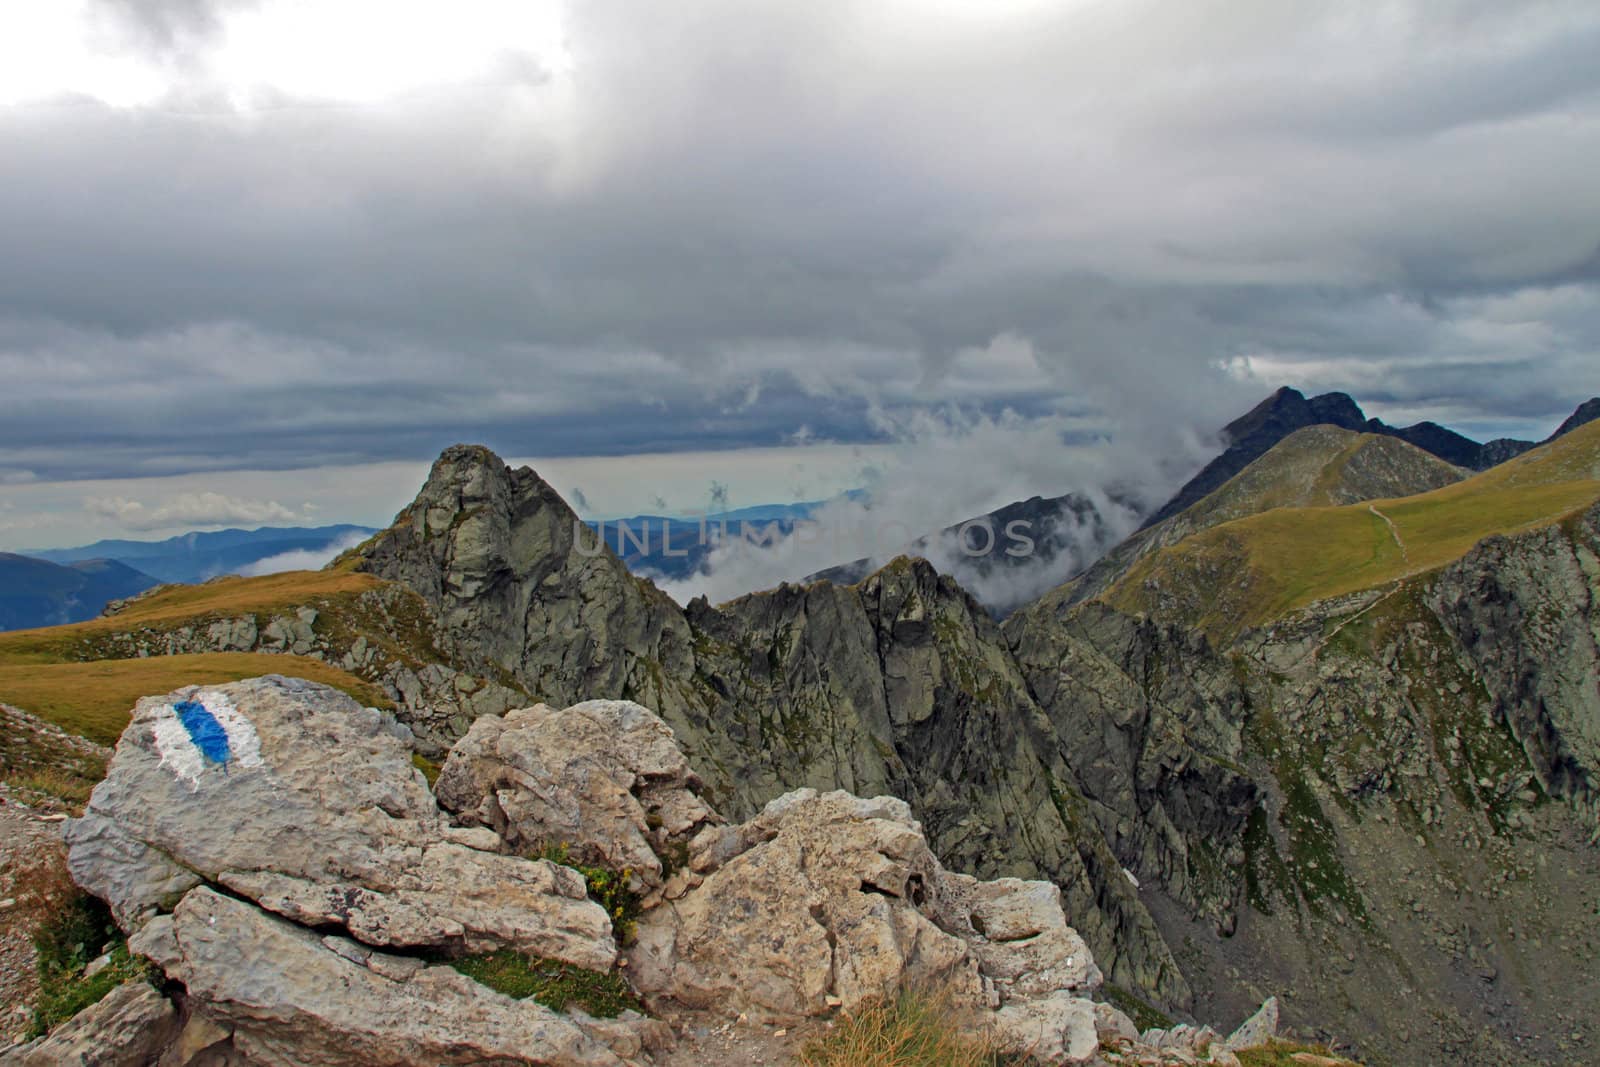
[(552, 983), (607, 888), (430, 769), (1144, 1015), (1282, 1053), (66, 943)]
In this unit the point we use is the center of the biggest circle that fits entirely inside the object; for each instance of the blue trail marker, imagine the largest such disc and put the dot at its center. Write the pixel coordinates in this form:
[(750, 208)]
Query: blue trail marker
[(204, 730)]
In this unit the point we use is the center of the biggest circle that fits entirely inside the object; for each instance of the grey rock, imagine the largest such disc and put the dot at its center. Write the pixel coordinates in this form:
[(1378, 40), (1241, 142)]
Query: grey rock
[(290, 1000), (824, 901), (605, 779), (1256, 1030), (128, 1027), (320, 817), (1058, 1029)]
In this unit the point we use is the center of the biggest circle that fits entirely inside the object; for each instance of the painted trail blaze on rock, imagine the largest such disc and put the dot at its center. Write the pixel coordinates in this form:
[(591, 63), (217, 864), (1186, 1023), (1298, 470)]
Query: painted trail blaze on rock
[(203, 731)]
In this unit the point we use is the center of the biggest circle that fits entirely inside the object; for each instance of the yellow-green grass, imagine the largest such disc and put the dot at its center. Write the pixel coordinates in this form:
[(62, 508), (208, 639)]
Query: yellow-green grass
[(913, 1029), (176, 604), (1252, 570), (1281, 1053), (94, 699)]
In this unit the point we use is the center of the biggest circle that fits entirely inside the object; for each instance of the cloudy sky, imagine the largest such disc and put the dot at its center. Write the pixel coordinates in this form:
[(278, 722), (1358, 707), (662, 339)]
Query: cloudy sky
[(261, 259)]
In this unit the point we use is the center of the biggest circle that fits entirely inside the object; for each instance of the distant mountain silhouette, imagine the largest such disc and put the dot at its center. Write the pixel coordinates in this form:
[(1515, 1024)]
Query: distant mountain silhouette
[(1250, 436), (195, 557), (1587, 412), (36, 592)]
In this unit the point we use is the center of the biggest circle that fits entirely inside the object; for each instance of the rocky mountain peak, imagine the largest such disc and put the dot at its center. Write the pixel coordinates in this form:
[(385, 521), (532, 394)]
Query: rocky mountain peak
[(1337, 409), (1250, 436), (510, 569), (468, 530), (1587, 412)]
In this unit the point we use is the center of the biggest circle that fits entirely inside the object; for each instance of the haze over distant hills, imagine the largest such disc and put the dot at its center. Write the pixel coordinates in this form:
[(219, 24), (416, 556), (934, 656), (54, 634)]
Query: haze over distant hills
[(55, 586), (673, 547), (197, 556), (1071, 534), (36, 592)]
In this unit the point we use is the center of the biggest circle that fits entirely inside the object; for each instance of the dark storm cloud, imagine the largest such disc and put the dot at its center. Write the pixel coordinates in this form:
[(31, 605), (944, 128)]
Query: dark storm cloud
[(734, 221)]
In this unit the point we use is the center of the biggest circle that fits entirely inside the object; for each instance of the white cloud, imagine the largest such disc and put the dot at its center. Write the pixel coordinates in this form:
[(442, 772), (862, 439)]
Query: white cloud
[(950, 465), (309, 559), (205, 508)]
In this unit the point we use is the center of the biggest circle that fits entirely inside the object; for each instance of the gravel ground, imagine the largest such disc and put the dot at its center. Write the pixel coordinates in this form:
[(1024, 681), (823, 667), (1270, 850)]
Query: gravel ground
[(33, 875), (706, 1041)]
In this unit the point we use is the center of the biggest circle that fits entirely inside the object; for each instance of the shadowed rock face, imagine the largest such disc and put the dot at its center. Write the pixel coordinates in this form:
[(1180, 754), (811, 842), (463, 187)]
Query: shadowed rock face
[(1524, 612), (1099, 751), (901, 684), (1587, 412)]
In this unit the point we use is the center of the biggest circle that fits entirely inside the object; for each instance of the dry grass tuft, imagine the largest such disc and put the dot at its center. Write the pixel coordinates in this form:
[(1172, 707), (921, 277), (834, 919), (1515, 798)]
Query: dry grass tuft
[(93, 699), (42, 784), (914, 1029)]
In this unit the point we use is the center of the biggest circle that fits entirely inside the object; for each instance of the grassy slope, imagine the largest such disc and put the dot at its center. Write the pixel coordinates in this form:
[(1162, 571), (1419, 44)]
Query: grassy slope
[(55, 673), (1252, 570), (94, 699), (1320, 466), (1316, 466)]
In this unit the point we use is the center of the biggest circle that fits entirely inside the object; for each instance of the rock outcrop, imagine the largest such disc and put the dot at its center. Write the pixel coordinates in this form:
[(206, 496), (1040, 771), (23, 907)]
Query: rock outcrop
[(828, 899), (269, 848), (605, 781), (901, 684), (820, 902)]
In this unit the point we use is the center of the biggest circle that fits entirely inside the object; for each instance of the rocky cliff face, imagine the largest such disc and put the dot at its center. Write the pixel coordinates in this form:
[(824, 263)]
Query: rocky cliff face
[(1202, 811), (1523, 611), (901, 684), (1408, 742)]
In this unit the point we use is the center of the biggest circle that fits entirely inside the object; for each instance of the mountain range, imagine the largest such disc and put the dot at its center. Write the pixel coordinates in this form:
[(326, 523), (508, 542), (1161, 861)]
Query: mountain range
[(36, 592), (1072, 532), (1288, 410), (54, 586), (199, 555), (1327, 731)]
